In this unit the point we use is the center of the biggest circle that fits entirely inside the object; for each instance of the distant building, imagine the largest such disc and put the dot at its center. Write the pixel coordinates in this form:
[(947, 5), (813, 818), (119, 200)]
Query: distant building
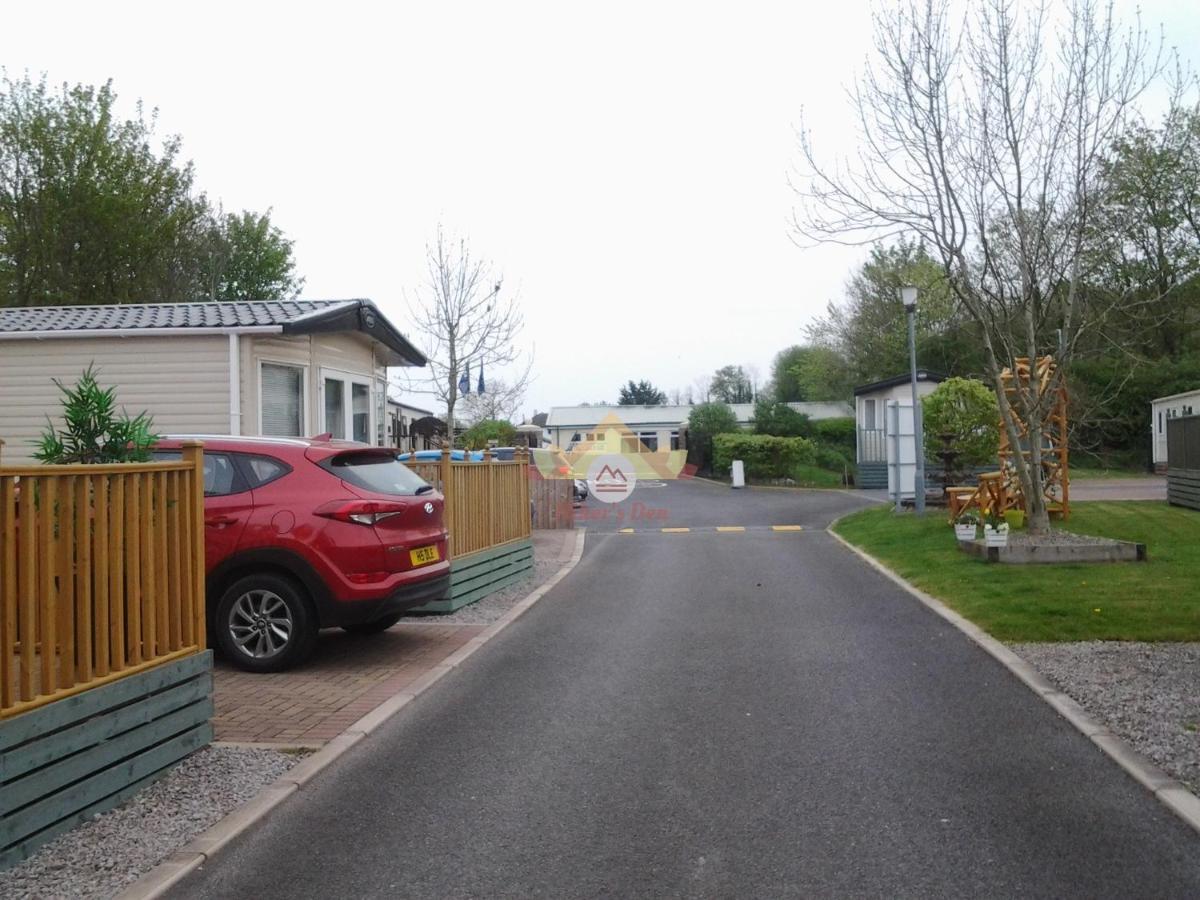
[(400, 431), (658, 427)]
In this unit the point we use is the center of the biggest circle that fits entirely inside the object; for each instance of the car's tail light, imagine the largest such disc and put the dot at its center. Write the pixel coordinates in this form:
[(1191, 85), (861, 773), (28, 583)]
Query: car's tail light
[(361, 512)]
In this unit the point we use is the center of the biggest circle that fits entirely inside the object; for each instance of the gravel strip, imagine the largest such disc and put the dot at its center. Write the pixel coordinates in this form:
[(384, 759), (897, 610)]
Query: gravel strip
[(1148, 694), (490, 608), (1055, 536), (100, 858)]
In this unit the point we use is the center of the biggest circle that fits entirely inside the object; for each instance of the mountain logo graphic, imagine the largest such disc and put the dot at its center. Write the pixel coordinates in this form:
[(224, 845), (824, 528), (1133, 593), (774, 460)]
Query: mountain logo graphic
[(610, 479)]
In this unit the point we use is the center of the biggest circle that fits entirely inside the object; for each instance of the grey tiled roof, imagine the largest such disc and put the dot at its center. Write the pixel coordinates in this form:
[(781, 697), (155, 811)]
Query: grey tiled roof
[(206, 314)]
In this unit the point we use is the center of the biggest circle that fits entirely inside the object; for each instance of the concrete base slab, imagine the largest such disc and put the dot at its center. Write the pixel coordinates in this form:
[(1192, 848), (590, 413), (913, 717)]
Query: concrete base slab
[(1024, 554)]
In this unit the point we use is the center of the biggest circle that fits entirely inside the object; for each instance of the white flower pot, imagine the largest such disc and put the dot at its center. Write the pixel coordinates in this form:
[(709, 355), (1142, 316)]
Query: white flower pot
[(965, 532), (995, 537)]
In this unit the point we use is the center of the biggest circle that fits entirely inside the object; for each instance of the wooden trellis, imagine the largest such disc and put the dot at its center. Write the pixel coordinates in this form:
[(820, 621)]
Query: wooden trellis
[(1056, 481)]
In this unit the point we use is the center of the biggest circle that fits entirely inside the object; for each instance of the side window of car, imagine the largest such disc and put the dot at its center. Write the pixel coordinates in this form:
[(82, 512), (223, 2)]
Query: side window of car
[(261, 470), (220, 474)]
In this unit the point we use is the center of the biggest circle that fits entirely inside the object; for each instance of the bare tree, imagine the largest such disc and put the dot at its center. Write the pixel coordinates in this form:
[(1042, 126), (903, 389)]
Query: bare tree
[(984, 137), (500, 401), (465, 323)]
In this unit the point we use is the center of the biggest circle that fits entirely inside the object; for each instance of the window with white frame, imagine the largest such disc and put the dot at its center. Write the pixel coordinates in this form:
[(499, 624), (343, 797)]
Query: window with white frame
[(282, 392), (868, 421), (346, 406)]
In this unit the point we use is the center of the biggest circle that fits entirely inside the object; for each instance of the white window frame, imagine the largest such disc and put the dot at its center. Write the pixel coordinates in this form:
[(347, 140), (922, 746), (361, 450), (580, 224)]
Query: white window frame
[(349, 378), (306, 424), (871, 423)]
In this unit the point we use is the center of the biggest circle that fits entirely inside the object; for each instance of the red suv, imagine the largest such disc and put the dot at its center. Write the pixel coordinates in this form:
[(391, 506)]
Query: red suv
[(307, 534)]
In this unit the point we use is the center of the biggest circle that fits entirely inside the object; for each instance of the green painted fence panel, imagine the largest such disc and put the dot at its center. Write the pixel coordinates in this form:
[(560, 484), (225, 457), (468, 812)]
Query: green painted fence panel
[(474, 577), (76, 757)]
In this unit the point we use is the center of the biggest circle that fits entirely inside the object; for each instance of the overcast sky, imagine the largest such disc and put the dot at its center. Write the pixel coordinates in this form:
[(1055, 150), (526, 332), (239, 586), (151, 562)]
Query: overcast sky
[(624, 164)]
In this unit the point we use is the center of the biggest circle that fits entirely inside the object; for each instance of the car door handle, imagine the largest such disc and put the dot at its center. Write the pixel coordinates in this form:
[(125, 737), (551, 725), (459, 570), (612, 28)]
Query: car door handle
[(220, 520)]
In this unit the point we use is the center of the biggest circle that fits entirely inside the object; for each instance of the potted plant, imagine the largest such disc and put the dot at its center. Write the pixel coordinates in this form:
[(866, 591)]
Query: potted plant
[(995, 530), (966, 525)]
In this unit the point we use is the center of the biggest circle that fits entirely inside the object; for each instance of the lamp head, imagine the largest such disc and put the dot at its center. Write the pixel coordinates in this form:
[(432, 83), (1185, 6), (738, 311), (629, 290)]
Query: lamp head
[(908, 296)]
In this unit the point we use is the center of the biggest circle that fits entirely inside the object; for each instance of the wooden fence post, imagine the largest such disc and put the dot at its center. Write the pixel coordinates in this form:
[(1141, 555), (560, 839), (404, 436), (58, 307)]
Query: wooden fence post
[(526, 512), (193, 455), (447, 491), (490, 507)]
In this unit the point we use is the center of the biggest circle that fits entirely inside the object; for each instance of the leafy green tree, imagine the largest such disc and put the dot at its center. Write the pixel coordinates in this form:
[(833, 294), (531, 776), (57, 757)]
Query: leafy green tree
[(731, 384), (821, 373), (779, 419), (866, 337), (709, 419), (95, 432), (1145, 243), (250, 259), (91, 211), (479, 435), (966, 410), (96, 209), (785, 386), (640, 393)]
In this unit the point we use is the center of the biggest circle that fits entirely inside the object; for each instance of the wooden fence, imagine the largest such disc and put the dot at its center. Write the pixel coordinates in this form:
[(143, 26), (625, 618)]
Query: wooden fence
[(1183, 461), (101, 574), (553, 500), (487, 503)]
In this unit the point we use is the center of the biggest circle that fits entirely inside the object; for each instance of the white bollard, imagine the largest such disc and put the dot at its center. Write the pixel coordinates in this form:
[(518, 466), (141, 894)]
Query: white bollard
[(739, 474)]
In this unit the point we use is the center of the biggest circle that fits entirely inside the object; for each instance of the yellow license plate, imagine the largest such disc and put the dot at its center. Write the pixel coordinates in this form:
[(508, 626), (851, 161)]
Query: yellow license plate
[(424, 555)]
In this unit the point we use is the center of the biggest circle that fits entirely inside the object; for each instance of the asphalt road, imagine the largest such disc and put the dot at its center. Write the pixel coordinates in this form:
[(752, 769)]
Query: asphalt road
[(720, 714)]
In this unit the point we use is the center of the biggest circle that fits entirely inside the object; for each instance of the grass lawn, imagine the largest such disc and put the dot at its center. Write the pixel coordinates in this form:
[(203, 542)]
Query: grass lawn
[(1079, 473), (814, 477), (1158, 600)]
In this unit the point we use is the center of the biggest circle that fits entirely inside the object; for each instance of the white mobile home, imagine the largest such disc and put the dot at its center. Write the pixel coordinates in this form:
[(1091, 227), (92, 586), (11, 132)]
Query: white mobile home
[(1162, 410), (275, 368), (870, 408)]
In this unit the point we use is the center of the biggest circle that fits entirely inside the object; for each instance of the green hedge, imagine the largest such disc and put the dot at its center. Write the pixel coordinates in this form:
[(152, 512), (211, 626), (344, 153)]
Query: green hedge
[(838, 433), (765, 456)]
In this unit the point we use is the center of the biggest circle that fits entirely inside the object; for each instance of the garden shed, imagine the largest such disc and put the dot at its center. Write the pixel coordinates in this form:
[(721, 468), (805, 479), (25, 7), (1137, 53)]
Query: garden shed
[(870, 413)]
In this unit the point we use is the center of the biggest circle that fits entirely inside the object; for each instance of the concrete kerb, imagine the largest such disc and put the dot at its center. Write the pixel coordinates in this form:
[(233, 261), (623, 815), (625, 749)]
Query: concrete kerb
[(1169, 792), (159, 880)]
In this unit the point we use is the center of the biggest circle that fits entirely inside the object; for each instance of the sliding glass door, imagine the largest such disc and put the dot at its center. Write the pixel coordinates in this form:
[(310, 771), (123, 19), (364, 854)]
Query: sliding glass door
[(347, 406)]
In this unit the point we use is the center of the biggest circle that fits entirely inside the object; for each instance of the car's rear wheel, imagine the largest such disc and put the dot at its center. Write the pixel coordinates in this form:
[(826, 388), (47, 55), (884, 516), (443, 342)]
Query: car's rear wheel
[(367, 628), (264, 624)]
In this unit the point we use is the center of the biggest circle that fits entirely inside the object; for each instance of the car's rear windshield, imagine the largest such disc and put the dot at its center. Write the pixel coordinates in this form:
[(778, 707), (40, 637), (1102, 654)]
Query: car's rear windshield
[(377, 472)]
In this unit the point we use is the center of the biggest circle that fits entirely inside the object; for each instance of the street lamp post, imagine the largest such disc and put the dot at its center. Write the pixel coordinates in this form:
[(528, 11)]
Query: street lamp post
[(908, 296)]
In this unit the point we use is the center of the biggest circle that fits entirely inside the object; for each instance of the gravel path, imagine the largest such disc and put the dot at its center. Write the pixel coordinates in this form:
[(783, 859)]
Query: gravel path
[(1149, 694), (98, 859), (492, 607)]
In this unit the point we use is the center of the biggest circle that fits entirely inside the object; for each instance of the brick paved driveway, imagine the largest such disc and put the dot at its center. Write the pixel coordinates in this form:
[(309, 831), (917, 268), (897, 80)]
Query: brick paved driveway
[(349, 676), (345, 679)]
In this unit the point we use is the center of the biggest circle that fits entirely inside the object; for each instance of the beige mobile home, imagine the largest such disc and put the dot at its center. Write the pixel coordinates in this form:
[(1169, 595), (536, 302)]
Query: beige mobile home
[(277, 368)]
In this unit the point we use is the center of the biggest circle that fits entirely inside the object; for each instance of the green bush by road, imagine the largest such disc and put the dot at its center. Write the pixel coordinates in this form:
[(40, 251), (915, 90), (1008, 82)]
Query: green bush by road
[(1158, 600), (765, 456)]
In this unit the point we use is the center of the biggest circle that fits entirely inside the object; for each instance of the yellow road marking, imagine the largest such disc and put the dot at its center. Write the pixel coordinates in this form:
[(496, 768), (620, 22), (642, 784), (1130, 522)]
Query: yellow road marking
[(731, 528), (786, 528), (675, 530), (626, 531)]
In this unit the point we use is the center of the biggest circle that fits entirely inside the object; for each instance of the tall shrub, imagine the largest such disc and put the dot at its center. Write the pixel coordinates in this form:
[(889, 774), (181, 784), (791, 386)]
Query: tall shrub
[(95, 432), (764, 456), (966, 410)]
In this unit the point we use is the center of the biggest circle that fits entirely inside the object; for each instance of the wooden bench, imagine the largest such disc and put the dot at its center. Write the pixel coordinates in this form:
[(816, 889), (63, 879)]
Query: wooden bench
[(992, 494)]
